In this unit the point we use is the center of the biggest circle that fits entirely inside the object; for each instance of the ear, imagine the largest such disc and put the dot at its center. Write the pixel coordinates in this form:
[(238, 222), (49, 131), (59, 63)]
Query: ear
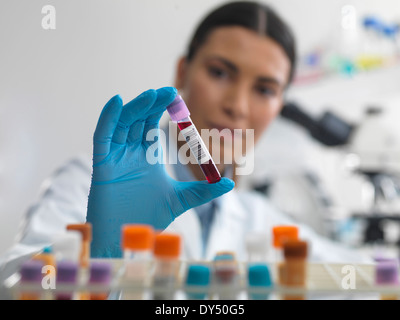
[(180, 73)]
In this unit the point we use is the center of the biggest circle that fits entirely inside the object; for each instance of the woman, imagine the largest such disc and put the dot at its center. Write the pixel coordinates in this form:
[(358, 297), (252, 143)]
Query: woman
[(239, 63), (234, 76)]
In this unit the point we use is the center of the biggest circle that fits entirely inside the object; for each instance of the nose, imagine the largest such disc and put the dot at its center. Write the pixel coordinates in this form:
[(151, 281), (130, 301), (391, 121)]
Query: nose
[(236, 104)]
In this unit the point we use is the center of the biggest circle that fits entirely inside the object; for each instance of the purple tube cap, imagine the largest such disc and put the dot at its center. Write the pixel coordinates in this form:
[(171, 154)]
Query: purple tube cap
[(177, 109), (387, 272), (100, 272), (67, 271), (31, 270)]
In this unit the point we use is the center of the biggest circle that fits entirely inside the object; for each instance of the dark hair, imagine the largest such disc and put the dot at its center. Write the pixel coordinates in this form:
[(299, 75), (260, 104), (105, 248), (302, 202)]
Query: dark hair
[(251, 15)]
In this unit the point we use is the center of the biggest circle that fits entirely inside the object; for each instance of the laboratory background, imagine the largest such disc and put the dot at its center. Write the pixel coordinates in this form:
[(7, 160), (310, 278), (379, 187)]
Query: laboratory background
[(332, 159)]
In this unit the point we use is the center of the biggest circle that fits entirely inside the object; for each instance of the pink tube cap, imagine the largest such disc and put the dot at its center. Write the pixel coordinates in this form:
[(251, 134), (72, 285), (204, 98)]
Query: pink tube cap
[(31, 270), (177, 109), (387, 272)]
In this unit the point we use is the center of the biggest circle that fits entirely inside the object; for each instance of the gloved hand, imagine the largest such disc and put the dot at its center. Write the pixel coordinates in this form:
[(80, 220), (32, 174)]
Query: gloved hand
[(125, 188)]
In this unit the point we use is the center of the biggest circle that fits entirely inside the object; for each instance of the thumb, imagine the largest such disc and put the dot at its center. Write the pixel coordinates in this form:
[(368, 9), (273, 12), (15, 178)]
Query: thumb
[(196, 193)]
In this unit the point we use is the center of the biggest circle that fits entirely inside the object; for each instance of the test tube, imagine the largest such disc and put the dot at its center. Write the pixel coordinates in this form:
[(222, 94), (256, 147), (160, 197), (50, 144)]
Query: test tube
[(86, 230), (46, 256), (225, 275), (295, 271), (257, 247), (281, 234), (259, 278), (67, 246), (137, 246), (48, 259), (197, 281), (31, 275), (84, 260), (167, 248), (49, 263), (67, 276), (100, 275), (386, 277), (225, 256), (180, 114)]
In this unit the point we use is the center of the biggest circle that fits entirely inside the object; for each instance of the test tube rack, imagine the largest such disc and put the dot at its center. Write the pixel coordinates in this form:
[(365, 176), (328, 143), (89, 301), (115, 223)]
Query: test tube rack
[(324, 281)]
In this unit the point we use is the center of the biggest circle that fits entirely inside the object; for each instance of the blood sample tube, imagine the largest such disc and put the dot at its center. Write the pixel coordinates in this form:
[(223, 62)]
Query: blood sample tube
[(46, 256), (281, 234), (226, 275), (295, 271), (100, 275), (137, 244), (180, 114), (86, 230), (49, 264), (48, 259), (387, 277), (31, 275), (67, 276), (167, 248)]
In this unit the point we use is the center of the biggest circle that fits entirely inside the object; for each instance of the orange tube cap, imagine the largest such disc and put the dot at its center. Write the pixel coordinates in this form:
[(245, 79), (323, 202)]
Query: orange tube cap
[(167, 245), (137, 237), (284, 233)]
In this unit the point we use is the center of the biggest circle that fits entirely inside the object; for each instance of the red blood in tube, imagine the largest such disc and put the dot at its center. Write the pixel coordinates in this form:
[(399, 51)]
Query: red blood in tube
[(184, 125), (209, 169)]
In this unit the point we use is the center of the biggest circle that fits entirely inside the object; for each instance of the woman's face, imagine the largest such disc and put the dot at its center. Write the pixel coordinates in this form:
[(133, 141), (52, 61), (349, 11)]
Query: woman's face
[(236, 80)]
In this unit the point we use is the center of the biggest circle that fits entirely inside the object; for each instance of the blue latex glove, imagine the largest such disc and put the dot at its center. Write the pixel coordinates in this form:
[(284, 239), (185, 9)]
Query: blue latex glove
[(125, 188)]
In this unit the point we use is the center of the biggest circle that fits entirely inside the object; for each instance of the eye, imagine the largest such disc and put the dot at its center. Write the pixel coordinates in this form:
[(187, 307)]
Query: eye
[(217, 72), (266, 91)]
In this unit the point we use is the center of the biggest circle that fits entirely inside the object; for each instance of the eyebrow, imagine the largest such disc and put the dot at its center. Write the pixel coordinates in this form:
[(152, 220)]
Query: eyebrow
[(231, 66)]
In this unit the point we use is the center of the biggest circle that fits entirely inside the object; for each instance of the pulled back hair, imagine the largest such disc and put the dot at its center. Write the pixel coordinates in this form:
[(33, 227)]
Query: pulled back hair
[(254, 16)]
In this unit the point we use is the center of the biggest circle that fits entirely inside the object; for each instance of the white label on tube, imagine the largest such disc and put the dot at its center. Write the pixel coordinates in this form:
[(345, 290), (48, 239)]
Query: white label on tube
[(196, 144)]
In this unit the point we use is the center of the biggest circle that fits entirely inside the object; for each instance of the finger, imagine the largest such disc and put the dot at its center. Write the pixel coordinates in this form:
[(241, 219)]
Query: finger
[(193, 194), (147, 134), (106, 125), (165, 96), (134, 111)]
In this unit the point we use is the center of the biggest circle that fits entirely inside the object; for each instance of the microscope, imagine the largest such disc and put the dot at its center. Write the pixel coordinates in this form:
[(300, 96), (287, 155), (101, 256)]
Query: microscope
[(376, 148)]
